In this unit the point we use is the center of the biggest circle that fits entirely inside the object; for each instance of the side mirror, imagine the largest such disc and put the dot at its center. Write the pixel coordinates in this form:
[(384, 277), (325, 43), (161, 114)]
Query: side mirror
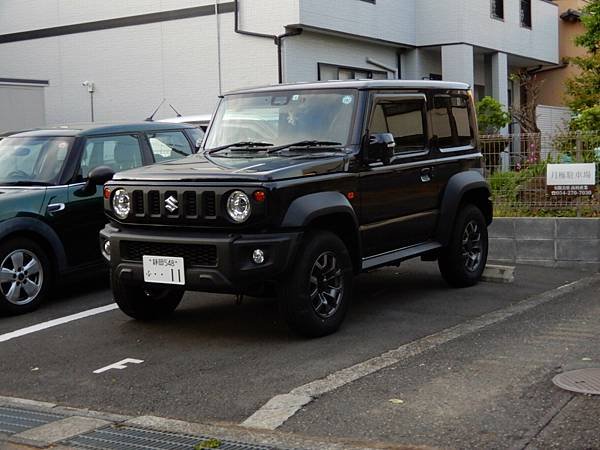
[(379, 148), (97, 177)]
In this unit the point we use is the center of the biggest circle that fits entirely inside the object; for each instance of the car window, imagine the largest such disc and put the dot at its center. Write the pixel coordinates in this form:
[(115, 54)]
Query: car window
[(169, 145), (451, 122), (117, 152), (404, 118), (197, 135)]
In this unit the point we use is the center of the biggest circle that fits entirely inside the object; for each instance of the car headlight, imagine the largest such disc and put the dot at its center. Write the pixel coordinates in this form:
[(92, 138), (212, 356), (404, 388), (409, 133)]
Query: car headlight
[(121, 203), (238, 206)]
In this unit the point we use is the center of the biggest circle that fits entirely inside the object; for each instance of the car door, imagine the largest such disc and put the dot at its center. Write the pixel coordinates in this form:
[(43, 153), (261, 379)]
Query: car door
[(84, 214), (398, 207)]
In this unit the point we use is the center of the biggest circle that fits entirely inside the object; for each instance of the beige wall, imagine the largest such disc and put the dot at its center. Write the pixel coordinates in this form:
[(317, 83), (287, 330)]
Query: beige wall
[(553, 90)]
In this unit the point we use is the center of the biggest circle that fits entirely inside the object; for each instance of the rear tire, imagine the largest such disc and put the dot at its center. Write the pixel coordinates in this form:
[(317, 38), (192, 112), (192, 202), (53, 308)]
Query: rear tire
[(463, 261), (25, 276), (144, 303), (317, 291)]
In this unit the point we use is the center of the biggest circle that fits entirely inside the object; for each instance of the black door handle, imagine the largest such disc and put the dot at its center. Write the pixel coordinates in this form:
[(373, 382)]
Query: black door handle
[(426, 174)]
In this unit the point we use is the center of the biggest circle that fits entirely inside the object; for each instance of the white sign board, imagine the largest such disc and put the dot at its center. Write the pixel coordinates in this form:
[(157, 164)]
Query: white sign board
[(571, 174), (571, 180)]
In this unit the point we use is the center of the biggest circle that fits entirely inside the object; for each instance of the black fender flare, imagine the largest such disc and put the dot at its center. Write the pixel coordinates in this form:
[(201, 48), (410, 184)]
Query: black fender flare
[(42, 231), (308, 208), (458, 186)]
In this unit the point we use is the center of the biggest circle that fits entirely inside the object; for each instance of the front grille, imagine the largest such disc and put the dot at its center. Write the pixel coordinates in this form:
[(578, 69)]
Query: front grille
[(151, 204), (194, 255)]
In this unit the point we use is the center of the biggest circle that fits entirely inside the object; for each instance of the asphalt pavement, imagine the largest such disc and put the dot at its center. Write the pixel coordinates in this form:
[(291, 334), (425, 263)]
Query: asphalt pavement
[(214, 361)]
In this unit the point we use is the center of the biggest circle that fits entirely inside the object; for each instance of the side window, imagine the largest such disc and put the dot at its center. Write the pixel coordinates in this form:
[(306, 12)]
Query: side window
[(451, 121), (404, 118), (197, 135), (169, 145), (116, 152)]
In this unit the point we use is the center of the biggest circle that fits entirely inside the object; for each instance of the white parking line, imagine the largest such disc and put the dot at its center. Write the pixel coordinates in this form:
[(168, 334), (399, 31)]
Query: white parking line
[(280, 408), (55, 322)]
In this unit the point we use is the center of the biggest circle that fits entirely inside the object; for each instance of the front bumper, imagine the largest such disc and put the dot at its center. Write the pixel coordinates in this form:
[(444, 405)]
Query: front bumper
[(232, 272)]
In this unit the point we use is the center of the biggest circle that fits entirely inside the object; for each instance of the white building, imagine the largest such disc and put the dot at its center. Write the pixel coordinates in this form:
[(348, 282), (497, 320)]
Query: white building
[(137, 52)]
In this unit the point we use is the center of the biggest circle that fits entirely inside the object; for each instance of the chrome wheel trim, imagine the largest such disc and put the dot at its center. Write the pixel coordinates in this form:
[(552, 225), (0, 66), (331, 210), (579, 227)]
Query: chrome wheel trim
[(326, 285), (471, 248), (21, 277)]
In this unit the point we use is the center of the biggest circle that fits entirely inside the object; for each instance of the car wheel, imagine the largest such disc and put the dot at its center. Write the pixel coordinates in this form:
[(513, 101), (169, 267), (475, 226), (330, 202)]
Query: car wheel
[(25, 276), (316, 293), (462, 262), (146, 303)]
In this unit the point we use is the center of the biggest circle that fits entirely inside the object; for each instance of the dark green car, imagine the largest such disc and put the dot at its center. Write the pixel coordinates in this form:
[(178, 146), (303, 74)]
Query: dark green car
[(51, 198)]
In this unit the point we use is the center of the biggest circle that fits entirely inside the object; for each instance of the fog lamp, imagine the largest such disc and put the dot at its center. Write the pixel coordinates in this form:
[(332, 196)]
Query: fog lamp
[(258, 256)]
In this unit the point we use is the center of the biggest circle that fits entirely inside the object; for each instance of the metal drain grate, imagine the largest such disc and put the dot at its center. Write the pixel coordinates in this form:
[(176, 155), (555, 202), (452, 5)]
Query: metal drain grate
[(584, 381), (15, 420), (130, 438)]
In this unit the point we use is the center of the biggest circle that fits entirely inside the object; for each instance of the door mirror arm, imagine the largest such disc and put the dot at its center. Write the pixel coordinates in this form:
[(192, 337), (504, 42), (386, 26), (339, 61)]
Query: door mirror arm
[(97, 177), (378, 147)]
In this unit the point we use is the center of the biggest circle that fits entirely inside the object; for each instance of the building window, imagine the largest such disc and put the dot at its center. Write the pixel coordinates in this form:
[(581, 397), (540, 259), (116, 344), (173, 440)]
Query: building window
[(498, 9), (526, 13), (331, 72)]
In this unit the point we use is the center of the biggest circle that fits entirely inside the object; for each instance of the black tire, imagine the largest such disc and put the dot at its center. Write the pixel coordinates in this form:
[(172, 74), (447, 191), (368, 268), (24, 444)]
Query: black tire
[(322, 258), (462, 262), (142, 302), (23, 290)]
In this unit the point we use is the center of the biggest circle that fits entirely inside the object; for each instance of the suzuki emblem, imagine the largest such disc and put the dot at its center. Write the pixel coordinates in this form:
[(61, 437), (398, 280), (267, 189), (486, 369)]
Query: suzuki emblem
[(171, 204)]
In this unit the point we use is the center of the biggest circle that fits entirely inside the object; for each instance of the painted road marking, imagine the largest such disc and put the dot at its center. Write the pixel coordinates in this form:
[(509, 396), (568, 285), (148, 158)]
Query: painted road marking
[(120, 365), (53, 323), (280, 408)]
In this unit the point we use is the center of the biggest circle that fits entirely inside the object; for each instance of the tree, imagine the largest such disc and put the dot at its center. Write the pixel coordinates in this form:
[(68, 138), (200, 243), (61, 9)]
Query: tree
[(491, 117), (526, 113), (583, 89)]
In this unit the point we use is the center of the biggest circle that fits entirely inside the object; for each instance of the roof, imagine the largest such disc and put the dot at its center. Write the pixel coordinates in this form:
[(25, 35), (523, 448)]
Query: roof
[(197, 118), (571, 15), (359, 84), (93, 129)]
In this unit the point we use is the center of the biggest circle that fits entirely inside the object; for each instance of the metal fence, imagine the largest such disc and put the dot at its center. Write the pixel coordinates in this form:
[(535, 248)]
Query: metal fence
[(516, 169)]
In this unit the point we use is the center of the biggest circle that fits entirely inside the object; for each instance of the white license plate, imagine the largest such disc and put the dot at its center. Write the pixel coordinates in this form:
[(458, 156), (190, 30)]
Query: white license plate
[(164, 270)]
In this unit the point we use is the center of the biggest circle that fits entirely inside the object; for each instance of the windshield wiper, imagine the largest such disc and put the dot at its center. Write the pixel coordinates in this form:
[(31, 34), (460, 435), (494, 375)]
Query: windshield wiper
[(25, 183), (306, 145), (247, 144)]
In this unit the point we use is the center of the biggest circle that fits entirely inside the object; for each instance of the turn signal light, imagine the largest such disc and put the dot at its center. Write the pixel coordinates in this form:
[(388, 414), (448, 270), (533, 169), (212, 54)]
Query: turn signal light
[(107, 193), (259, 196), (351, 195)]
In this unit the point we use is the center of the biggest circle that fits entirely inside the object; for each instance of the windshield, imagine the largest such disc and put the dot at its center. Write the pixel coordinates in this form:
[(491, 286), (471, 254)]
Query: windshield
[(32, 160), (282, 118)]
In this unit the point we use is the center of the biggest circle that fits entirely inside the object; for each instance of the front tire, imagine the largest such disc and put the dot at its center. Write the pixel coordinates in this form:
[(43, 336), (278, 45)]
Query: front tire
[(25, 276), (317, 292), (463, 261), (144, 303)]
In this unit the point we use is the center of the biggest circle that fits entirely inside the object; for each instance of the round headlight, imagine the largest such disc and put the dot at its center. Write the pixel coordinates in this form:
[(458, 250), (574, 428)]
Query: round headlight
[(121, 203), (238, 206)]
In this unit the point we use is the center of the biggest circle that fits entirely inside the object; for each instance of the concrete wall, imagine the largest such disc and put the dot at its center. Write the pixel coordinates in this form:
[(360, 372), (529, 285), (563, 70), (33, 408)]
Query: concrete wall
[(389, 20), (554, 242), (303, 53), (470, 22), (134, 68)]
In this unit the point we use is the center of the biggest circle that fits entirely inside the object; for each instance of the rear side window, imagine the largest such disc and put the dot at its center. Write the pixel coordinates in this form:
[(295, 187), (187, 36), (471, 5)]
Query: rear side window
[(404, 118), (117, 152), (169, 145), (451, 120)]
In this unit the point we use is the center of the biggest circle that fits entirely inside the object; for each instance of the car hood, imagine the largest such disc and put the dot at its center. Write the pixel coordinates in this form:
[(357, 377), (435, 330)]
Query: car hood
[(17, 201), (238, 168)]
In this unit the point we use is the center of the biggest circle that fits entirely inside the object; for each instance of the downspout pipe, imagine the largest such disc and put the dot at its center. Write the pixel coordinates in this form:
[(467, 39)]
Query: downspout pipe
[(277, 39)]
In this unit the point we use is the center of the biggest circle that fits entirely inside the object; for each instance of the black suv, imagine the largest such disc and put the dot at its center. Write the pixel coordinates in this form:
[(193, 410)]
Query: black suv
[(297, 189), (50, 208)]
